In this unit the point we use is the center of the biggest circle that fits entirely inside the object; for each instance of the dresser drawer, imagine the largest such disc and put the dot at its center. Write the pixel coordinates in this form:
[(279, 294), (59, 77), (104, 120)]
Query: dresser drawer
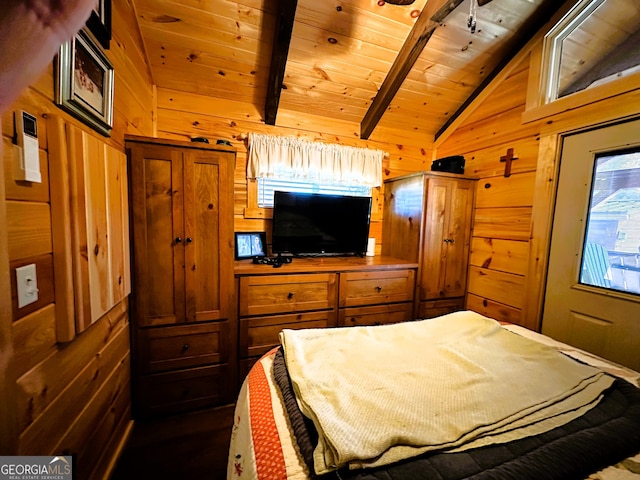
[(371, 288), (262, 295), (168, 348), (260, 334), (183, 390), (375, 315), (435, 308)]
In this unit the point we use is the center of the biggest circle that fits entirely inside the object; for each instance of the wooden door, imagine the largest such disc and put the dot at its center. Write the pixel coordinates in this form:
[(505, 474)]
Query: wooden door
[(208, 226), (600, 317), (158, 233), (447, 236)]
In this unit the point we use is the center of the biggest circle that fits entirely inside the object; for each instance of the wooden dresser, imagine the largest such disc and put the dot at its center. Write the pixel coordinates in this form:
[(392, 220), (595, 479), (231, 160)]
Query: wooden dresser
[(183, 327), (316, 293)]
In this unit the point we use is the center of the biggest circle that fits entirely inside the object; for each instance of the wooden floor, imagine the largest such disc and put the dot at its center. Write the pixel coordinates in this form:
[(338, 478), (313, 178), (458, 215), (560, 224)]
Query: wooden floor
[(187, 446)]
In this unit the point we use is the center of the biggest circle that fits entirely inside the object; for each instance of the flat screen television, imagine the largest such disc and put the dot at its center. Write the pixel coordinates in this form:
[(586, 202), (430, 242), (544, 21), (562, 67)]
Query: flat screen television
[(317, 224)]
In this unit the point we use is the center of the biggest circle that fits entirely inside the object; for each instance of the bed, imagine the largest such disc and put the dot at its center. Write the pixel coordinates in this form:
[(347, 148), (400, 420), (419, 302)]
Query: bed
[(457, 397)]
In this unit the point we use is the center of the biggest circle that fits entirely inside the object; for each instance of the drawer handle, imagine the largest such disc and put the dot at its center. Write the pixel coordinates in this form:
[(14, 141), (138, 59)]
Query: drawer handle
[(185, 347), (290, 296), (189, 240), (178, 239), (379, 289)]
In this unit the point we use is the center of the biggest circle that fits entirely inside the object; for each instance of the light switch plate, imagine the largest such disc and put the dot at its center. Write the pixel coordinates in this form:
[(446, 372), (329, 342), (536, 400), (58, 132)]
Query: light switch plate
[(27, 284)]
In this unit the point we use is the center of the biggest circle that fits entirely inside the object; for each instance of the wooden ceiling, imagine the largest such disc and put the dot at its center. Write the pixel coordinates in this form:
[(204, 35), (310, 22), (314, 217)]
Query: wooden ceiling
[(339, 54)]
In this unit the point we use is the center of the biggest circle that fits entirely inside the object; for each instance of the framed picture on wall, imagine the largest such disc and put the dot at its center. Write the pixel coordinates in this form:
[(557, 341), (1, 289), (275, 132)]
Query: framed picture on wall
[(99, 23), (84, 82), (251, 245)]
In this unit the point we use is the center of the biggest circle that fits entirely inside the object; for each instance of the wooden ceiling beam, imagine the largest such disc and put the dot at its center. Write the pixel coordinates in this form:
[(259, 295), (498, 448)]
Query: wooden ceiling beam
[(285, 16), (431, 16)]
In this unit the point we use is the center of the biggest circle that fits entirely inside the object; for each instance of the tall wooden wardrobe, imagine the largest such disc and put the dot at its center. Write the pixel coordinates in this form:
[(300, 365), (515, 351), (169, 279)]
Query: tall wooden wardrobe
[(183, 330), (428, 220)]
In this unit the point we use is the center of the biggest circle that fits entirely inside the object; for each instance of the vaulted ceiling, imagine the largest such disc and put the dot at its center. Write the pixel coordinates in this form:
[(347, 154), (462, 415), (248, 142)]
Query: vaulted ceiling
[(410, 67)]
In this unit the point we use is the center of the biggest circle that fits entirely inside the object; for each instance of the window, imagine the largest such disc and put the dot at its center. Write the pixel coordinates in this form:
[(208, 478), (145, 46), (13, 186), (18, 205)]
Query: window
[(611, 254), (594, 43), (266, 187)]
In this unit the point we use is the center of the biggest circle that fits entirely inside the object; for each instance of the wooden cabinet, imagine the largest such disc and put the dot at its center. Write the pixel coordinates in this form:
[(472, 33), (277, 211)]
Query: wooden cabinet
[(182, 229), (428, 219), (318, 293)]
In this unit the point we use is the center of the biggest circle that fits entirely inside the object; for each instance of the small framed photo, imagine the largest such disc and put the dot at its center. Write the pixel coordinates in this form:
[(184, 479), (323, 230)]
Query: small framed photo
[(251, 245), (99, 23), (84, 82)]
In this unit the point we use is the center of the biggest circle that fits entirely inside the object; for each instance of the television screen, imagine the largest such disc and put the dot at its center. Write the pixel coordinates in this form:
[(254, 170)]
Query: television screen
[(316, 224)]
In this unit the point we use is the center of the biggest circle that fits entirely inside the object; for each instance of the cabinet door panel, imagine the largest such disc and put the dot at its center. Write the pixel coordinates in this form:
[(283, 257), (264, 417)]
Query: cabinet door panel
[(434, 251), (156, 175), (459, 231), (207, 222), (402, 220), (100, 239)]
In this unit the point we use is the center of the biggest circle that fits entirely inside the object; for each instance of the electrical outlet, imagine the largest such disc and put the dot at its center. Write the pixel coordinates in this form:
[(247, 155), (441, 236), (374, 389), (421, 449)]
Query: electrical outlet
[(27, 284)]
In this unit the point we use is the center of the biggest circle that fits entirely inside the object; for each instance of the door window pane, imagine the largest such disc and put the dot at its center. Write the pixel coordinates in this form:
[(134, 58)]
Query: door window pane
[(611, 254)]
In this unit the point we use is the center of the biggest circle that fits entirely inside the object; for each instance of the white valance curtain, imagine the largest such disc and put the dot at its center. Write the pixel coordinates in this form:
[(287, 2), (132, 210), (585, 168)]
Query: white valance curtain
[(291, 158)]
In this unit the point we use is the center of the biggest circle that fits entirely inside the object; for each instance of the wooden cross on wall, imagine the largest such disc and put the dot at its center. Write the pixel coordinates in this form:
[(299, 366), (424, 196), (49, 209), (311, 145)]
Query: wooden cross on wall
[(507, 159)]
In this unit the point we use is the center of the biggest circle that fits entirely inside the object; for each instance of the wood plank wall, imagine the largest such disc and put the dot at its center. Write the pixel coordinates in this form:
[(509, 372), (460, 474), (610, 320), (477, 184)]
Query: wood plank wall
[(184, 115), (512, 219), (68, 398), (500, 243)]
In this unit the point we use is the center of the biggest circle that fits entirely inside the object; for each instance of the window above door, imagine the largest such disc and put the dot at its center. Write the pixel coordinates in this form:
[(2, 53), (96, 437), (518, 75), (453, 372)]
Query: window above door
[(591, 53)]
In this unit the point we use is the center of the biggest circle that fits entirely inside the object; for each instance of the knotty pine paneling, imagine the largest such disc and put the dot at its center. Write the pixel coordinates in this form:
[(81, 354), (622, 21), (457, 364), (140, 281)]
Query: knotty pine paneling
[(504, 255), (506, 223), (34, 338), (494, 309), (486, 161), (28, 229), (77, 393), (499, 257), (70, 397), (500, 191), (501, 287), (500, 129), (184, 115)]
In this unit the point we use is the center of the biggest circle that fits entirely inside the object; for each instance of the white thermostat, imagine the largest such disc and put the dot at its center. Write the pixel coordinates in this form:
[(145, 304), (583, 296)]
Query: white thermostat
[(28, 163)]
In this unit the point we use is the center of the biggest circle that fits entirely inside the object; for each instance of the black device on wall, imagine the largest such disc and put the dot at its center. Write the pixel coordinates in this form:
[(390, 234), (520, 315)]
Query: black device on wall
[(317, 224)]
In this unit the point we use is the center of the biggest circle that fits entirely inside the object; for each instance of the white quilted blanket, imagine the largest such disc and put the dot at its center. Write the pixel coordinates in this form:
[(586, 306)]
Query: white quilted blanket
[(380, 394)]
